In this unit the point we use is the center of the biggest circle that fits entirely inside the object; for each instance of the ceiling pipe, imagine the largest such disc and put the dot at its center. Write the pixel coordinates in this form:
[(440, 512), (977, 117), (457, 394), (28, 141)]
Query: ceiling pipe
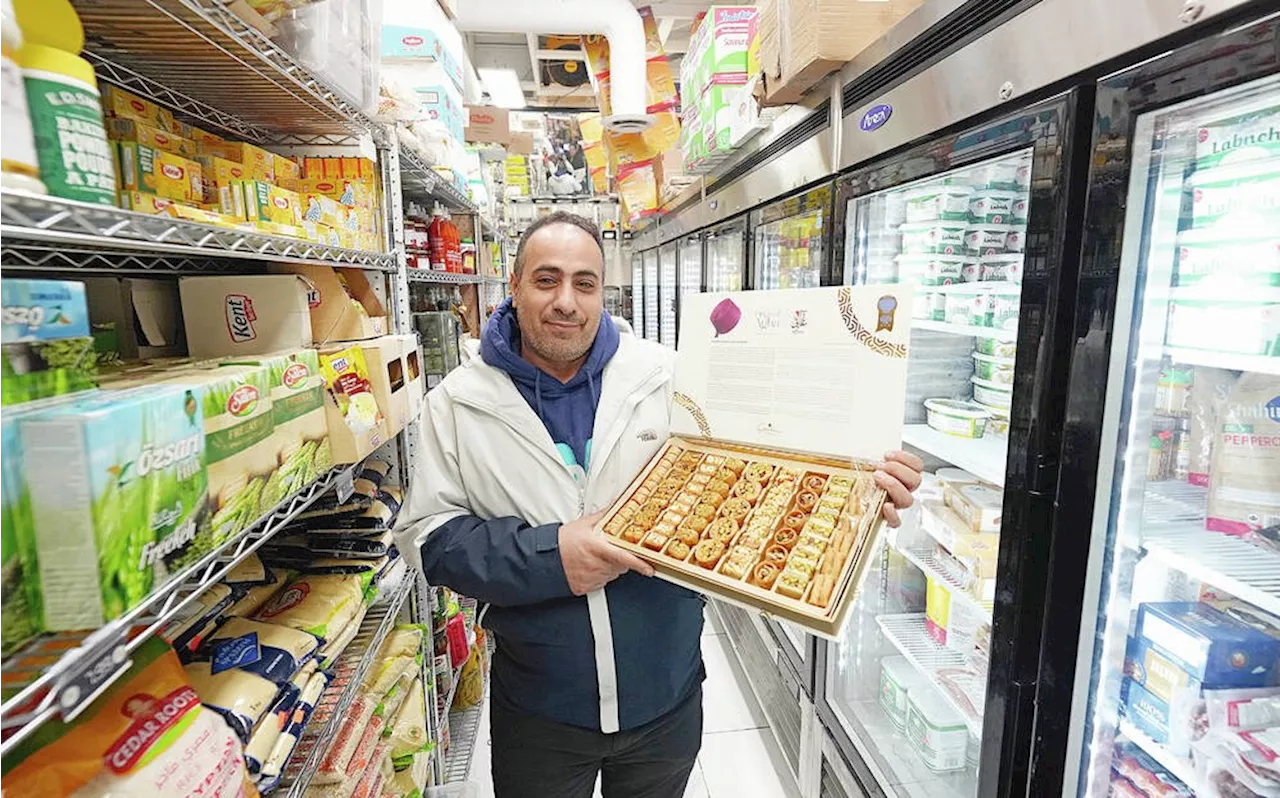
[(616, 20)]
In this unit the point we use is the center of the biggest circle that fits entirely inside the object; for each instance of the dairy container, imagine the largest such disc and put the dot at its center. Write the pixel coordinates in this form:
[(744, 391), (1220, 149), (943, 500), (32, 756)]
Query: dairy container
[(897, 679), (991, 346), (1241, 325), (1016, 241), (1003, 268), (1003, 312), (938, 733), (1228, 259), (992, 393), (956, 417), (987, 239), (1237, 139), (993, 369), (1000, 175), (980, 309), (928, 238), (936, 203), (1244, 196), (993, 206)]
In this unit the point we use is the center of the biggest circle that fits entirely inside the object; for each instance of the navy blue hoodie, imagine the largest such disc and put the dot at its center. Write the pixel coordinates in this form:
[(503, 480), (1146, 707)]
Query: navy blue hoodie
[(545, 660)]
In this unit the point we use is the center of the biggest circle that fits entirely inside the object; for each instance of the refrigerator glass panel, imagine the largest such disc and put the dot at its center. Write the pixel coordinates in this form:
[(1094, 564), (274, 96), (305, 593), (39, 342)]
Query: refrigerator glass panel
[(667, 294), (1188, 505), (726, 257), (789, 250), (651, 294), (908, 680), (637, 294), (690, 271)]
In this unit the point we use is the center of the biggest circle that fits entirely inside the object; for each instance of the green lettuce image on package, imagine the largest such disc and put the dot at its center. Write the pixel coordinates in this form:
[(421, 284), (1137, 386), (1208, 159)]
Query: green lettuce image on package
[(118, 495)]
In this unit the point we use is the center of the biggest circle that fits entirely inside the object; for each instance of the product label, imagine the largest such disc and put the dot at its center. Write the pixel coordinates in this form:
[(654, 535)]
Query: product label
[(152, 718), (16, 141), (71, 142), (240, 318), (233, 440), (236, 653)]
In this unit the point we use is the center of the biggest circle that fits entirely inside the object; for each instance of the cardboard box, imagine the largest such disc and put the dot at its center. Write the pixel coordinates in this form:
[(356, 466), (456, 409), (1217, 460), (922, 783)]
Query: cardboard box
[(415, 382), (791, 442), (137, 318), (143, 168), (355, 429), (1210, 645), (265, 202), (1148, 665), (286, 168), (438, 330), (154, 137), (260, 164), (333, 316), (388, 376), (241, 315), (220, 176), (488, 124), (144, 202), (47, 349), (118, 103)]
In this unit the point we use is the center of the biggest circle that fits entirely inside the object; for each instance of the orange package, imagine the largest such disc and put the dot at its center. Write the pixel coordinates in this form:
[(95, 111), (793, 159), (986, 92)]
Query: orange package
[(147, 735)]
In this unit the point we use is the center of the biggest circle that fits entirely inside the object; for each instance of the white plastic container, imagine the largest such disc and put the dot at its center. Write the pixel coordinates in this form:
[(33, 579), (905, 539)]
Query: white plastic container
[(956, 417), (993, 369), (929, 238), (1226, 259), (1243, 193), (993, 206), (990, 393), (935, 203), (1005, 268), (937, 732), (897, 679), (987, 239), (1016, 241)]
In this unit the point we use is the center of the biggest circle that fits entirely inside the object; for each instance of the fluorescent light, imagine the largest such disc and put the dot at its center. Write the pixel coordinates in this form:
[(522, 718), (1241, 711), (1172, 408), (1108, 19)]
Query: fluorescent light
[(503, 86)]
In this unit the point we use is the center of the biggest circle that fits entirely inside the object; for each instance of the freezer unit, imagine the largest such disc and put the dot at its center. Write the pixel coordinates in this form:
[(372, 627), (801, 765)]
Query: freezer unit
[(791, 240)]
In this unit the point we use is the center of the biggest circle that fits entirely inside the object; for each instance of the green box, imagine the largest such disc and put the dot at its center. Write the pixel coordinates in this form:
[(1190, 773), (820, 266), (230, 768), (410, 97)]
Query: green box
[(47, 349)]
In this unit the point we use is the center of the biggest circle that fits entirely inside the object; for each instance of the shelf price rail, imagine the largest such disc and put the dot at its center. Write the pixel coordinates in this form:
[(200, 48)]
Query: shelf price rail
[(84, 672)]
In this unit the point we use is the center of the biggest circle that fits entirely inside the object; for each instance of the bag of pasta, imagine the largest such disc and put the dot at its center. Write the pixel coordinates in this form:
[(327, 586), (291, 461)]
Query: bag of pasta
[(148, 734), (471, 681)]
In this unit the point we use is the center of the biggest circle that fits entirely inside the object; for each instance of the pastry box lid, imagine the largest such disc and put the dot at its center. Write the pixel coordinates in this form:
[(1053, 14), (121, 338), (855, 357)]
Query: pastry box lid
[(818, 370)]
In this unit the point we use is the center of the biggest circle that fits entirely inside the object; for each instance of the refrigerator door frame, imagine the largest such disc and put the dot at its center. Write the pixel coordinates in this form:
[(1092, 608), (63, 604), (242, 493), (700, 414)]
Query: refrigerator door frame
[(696, 239), (643, 331), (637, 293), (743, 225), (1052, 257), (786, 207), (1098, 412), (802, 663), (669, 293)]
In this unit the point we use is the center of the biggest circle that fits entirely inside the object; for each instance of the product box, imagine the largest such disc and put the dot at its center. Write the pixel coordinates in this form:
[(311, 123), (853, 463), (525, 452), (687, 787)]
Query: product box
[(322, 209), (143, 168), (1210, 645), (241, 315), (259, 163), (355, 421), (438, 330), (301, 436), (1148, 665), (142, 133), (1145, 710), (763, 496), (343, 304), (724, 43), (135, 318), (46, 347), (118, 103), (385, 361), (265, 202), (286, 168), (220, 176), (118, 488)]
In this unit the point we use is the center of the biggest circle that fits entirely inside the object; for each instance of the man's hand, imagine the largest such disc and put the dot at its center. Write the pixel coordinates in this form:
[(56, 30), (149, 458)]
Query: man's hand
[(899, 477), (590, 561)]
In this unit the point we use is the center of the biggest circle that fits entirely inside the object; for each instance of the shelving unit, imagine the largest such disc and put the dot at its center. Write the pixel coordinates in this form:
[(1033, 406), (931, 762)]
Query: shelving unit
[(927, 560), (1183, 769), (1245, 571), (981, 287), (964, 329), (983, 457), (448, 278), (71, 684), (350, 671), (910, 636), (1225, 360)]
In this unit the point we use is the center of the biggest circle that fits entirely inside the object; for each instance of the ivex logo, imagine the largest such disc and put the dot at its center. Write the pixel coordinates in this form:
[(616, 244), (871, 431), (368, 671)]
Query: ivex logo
[(240, 318)]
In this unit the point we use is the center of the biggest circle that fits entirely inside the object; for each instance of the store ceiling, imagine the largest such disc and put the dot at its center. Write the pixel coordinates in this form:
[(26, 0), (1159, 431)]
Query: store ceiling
[(552, 69)]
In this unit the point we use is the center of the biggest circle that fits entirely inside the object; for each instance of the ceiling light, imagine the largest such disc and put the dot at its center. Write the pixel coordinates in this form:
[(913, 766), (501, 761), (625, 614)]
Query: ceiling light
[(503, 86)]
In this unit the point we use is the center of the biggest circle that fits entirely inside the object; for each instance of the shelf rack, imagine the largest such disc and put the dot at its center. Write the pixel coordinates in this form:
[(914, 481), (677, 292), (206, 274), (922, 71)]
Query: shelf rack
[(353, 664), (212, 67), (449, 278), (46, 232), (910, 637), (927, 560), (965, 329), (1181, 768), (1224, 360), (420, 181), (73, 682), (464, 728), (983, 457)]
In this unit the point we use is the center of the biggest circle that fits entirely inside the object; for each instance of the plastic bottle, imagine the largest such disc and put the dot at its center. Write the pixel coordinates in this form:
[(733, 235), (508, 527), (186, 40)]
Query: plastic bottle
[(19, 167), (437, 242), (66, 109)]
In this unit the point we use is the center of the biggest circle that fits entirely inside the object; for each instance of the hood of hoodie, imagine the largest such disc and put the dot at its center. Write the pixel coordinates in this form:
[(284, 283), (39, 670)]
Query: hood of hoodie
[(567, 409)]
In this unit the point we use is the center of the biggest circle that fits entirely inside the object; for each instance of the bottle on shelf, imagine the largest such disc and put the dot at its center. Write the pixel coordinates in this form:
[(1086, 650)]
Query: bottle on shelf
[(19, 167), (438, 241)]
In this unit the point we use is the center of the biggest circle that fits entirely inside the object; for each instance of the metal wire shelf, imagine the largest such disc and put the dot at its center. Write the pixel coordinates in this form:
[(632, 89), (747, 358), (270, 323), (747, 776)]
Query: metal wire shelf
[(331, 709), (464, 728), (78, 233), (420, 181), (63, 690), (196, 55), (938, 664), (452, 278)]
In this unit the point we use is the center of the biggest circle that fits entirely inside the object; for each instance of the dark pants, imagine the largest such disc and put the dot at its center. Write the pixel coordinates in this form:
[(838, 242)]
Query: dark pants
[(535, 758)]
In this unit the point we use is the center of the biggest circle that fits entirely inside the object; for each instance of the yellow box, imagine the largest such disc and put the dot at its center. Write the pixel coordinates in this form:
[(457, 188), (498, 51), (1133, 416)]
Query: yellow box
[(203, 136), (259, 163), (143, 202), (219, 174), (200, 215), (264, 202), (345, 192), (286, 168), (143, 168), (276, 229), (126, 105), (321, 209), (143, 133)]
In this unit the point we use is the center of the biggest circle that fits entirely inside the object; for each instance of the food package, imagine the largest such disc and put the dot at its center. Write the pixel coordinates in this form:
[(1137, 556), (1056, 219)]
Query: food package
[(271, 651), (333, 768), (122, 729), (249, 572), (347, 379), (408, 728), (252, 599), (128, 451), (21, 597), (321, 605), (273, 724), (301, 436), (378, 517), (470, 690), (266, 202), (334, 646), (1210, 388), (1243, 710), (1210, 645), (142, 133), (120, 104), (1244, 485), (245, 315), (221, 177), (273, 766), (47, 349), (240, 697), (186, 632), (979, 506), (259, 164), (143, 168)]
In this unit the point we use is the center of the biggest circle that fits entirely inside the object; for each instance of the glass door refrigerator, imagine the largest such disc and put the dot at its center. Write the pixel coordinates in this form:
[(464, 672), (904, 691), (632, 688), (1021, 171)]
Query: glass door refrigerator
[(726, 256), (636, 298), (690, 272), (1171, 484), (650, 301), (791, 240), (918, 691), (667, 293)]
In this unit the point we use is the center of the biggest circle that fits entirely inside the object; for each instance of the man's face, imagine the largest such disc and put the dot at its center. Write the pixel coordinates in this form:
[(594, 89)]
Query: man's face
[(559, 294)]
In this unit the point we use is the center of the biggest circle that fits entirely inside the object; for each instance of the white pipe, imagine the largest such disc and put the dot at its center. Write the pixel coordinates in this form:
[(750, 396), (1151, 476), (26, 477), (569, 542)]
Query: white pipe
[(617, 20)]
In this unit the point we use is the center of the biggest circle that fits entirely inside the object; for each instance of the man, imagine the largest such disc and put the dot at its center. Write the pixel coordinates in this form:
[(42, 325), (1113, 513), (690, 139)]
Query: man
[(598, 669)]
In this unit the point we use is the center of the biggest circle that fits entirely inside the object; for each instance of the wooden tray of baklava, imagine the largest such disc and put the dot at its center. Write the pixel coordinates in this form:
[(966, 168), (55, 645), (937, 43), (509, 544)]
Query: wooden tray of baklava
[(789, 534)]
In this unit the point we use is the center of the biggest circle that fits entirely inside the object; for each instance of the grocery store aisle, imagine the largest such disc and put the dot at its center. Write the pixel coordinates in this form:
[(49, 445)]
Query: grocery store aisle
[(737, 758)]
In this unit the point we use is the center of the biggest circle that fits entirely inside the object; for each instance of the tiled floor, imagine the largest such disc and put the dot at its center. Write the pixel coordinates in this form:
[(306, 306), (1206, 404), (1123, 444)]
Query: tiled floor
[(738, 757)]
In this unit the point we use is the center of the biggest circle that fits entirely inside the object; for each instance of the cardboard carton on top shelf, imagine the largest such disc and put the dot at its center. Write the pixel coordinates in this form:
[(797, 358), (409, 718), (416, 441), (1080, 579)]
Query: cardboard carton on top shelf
[(343, 304), (245, 314)]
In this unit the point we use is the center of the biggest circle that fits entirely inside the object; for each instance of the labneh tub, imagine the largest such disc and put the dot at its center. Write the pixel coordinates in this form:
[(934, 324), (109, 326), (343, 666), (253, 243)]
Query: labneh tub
[(785, 401)]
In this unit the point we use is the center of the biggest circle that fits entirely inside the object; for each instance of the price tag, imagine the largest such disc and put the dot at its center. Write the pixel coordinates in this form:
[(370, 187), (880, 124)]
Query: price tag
[(346, 485), (101, 660)]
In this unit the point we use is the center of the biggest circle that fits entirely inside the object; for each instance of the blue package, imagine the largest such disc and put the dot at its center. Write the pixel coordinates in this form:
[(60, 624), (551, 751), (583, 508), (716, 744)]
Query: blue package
[(43, 310), (1156, 670), (1211, 646), (1146, 711), (275, 653)]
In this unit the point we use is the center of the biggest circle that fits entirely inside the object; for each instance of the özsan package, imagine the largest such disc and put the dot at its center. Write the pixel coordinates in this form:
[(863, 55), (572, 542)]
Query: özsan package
[(197, 748)]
